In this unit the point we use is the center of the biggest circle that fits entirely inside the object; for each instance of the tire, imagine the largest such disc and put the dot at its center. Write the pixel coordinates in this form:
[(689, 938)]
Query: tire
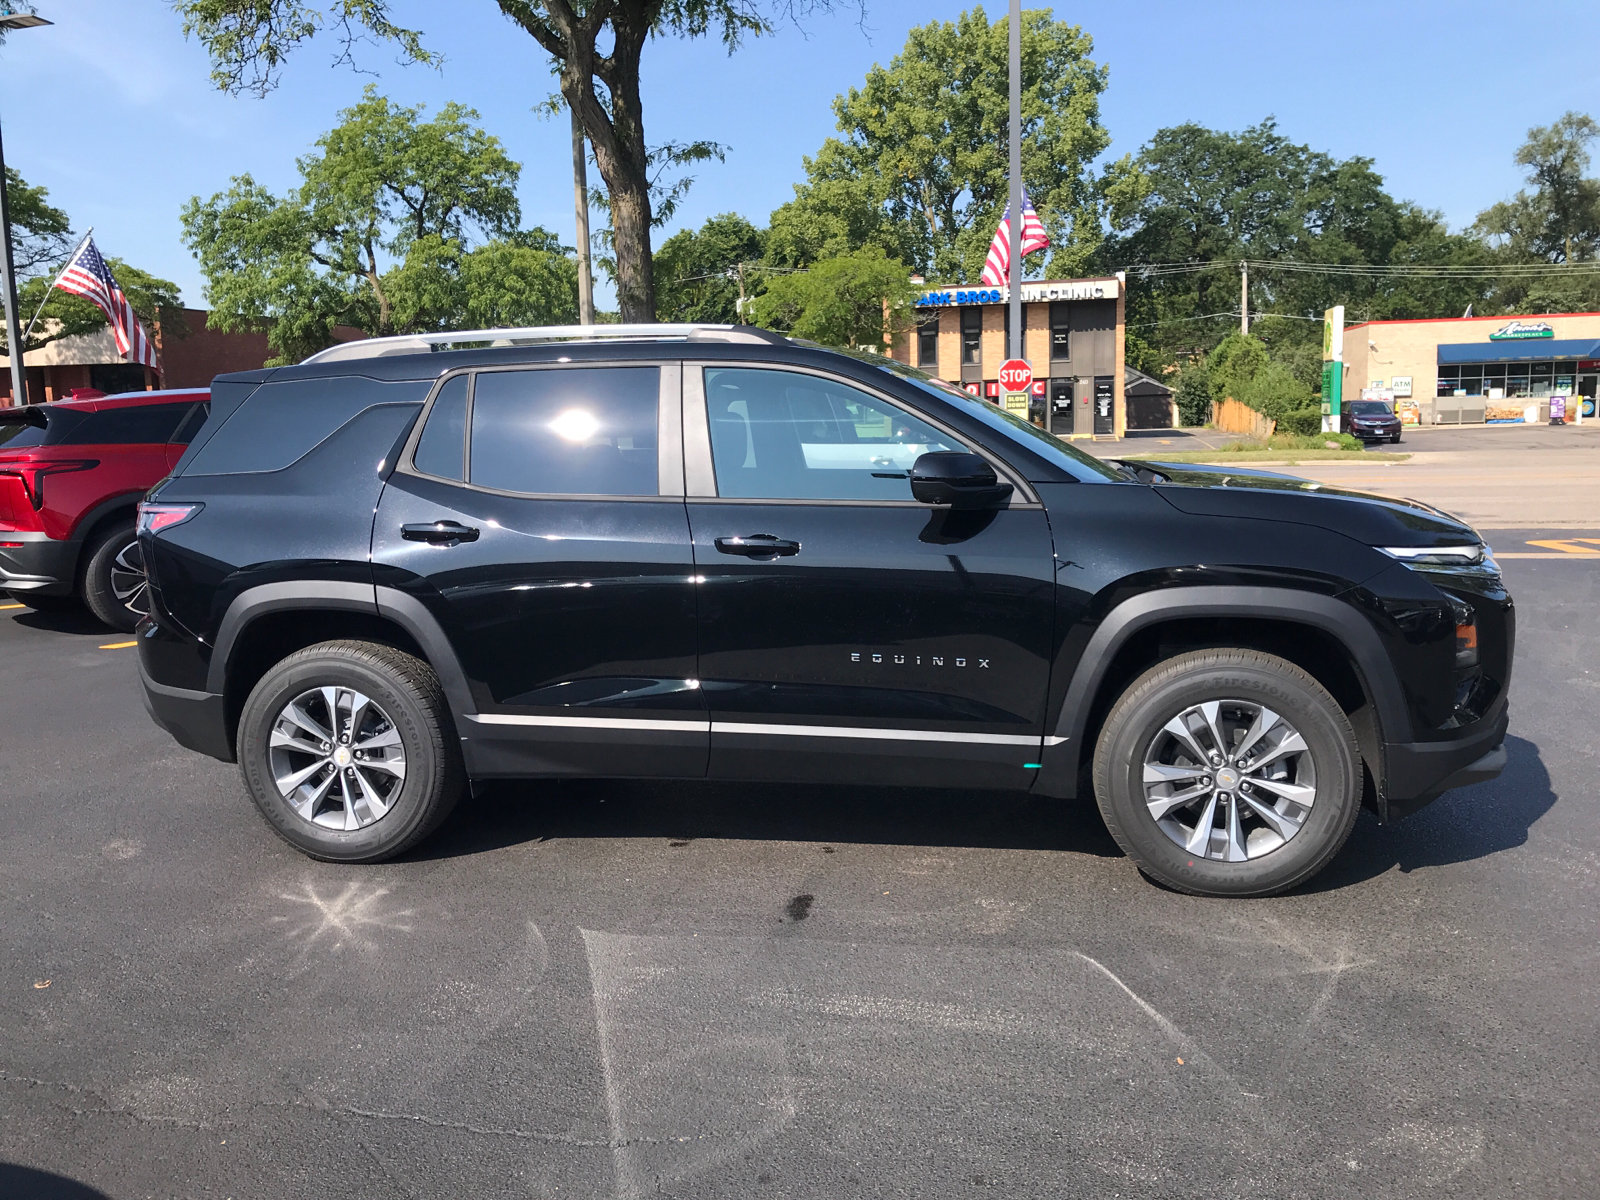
[(113, 582), (365, 815), (1278, 852), (1395, 439)]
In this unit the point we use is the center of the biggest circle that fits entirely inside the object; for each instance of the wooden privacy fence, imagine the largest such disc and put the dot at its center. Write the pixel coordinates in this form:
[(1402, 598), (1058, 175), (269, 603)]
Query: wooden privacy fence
[(1232, 417)]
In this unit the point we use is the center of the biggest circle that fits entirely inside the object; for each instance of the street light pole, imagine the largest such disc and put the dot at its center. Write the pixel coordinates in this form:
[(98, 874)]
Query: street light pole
[(8, 286), (11, 20), (1017, 340)]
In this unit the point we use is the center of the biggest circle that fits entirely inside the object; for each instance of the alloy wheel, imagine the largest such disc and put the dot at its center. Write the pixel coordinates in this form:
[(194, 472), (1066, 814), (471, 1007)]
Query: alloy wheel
[(336, 758), (1229, 780), (129, 584)]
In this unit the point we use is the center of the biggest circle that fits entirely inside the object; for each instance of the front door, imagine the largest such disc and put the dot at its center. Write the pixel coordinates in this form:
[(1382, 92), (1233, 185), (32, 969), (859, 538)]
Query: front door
[(1105, 420), (1060, 407), (847, 632), (540, 518)]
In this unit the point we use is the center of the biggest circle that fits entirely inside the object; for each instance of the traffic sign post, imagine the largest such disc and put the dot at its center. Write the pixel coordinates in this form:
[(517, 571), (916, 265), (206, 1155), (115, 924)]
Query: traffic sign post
[(1016, 381)]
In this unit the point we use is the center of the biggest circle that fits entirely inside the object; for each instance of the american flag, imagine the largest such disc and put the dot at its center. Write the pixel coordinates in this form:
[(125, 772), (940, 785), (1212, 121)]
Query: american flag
[(88, 276), (997, 267)]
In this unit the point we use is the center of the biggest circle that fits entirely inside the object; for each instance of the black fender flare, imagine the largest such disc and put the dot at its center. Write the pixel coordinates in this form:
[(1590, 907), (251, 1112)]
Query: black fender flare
[(383, 602), (1329, 614), (110, 507)]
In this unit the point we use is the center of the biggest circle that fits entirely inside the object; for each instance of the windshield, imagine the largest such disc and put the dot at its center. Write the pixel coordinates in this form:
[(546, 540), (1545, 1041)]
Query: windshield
[(1083, 467), (1369, 408)]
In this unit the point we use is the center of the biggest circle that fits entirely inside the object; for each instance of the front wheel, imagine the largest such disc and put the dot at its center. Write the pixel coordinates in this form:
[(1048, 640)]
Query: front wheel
[(1395, 439), (349, 751), (1228, 772)]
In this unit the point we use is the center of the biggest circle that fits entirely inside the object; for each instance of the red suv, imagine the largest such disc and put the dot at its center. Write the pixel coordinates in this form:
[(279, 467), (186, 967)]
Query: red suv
[(71, 477)]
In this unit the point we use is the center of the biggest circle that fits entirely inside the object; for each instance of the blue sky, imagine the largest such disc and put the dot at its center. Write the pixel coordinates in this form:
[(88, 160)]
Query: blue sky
[(113, 111)]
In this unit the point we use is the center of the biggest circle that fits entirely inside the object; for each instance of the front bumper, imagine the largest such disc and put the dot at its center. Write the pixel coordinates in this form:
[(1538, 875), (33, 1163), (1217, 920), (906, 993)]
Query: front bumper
[(1418, 773), (196, 720), (40, 565)]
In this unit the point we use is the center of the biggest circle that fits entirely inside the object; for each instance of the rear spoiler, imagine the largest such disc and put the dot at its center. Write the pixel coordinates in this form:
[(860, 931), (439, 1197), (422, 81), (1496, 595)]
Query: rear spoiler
[(25, 414)]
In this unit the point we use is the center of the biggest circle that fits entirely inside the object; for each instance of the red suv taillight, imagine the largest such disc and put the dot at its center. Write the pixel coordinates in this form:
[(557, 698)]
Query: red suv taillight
[(153, 518), (32, 474)]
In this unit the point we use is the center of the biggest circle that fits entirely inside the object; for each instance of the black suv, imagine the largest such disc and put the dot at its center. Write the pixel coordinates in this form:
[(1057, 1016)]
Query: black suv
[(713, 552)]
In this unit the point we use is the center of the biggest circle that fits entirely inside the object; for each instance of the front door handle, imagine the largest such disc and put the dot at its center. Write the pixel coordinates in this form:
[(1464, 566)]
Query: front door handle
[(758, 545), (439, 533)]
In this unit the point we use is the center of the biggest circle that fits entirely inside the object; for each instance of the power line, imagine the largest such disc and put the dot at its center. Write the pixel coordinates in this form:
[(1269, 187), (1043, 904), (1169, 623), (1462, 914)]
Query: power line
[(1372, 270)]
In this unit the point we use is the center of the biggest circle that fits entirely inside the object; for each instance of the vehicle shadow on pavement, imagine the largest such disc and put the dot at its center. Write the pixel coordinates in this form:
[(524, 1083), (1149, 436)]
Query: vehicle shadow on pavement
[(511, 813), (1462, 825), (24, 1183), (71, 620)]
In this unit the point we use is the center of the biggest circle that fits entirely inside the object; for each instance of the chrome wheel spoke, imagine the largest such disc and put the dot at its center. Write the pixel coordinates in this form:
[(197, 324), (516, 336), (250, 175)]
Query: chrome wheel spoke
[(1299, 793), (1285, 827), (286, 739), (293, 712), (1161, 773), (1290, 743), (1180, 733), (1200, 838), (1265, 720), (307, 808), (377, 741), (1210, 710), (368, 806), (288, 783), (389, 766), (1164, 805), (1235, 851)]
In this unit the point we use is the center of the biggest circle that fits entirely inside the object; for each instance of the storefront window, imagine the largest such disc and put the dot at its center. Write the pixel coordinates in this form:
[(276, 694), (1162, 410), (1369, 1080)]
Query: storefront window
[(928, 339), (972, 335)]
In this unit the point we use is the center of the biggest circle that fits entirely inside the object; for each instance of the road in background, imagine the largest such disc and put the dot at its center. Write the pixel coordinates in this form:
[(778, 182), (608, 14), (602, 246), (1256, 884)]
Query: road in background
[(614, 989), (1492, 476)]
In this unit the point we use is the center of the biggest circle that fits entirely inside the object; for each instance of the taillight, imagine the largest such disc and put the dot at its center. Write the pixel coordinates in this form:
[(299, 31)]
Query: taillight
[(32, 474), (153, 518)]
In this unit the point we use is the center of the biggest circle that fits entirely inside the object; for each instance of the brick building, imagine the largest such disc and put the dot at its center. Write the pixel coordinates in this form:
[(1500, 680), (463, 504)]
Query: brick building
[(191, 355), (1072, 337)]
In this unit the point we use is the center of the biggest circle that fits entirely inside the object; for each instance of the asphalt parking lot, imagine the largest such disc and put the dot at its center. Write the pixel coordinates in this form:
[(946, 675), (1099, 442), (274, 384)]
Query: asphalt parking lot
[(626, 989)]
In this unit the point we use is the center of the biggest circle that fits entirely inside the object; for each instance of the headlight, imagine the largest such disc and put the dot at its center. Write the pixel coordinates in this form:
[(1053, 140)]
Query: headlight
[(1469, 555)]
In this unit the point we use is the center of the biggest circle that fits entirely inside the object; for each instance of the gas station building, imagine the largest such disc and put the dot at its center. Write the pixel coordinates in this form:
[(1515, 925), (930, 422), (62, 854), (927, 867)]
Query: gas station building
[(1072, 337)]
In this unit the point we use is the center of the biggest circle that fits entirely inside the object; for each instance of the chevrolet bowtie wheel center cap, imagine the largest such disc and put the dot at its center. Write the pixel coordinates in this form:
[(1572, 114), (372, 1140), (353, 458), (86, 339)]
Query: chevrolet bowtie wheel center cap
[(1227, 777)]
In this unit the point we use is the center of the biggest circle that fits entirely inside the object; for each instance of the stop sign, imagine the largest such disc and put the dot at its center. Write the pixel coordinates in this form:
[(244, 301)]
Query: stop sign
[(1015, 375)]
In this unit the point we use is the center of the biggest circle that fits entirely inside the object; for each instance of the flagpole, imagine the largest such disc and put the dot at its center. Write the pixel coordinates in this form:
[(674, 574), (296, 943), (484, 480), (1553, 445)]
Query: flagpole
[(71, 258), (1015, 266)]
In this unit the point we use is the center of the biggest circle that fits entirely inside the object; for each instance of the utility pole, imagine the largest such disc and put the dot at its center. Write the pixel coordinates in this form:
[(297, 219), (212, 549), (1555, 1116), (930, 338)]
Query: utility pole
[(1017, 340), (741, 293), (8, 286), (580, 199), (1244, 297)]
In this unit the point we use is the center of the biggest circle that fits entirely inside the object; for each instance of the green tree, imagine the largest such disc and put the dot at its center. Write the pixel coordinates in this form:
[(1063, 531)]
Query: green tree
[(845, 301), (390, 201), (40, 232), (1559, 220), (595, 49), (920, 166), (698, 271), (1199, 200)]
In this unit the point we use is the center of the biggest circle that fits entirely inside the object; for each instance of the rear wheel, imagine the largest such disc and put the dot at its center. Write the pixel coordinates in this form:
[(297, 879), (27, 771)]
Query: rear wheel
[(114, 585), (1228, 773), (349, 751)]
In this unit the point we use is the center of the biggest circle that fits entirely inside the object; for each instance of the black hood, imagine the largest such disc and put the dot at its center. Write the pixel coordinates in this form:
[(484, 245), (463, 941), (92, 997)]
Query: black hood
[(1265, 495)]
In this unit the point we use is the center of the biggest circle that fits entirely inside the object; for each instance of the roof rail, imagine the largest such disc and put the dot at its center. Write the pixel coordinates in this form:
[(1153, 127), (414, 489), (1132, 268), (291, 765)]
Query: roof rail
[(423, 343)]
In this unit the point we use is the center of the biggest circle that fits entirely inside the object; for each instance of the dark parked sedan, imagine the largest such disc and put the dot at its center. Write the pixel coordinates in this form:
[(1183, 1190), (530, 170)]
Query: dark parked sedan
[(1371, 421)]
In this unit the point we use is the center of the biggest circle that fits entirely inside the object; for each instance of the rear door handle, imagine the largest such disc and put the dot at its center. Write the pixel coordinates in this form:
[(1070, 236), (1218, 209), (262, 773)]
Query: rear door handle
[(758, 545), (439, 533)]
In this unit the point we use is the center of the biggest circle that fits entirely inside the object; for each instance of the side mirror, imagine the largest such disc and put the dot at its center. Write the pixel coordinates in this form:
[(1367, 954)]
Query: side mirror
[(958, 479)]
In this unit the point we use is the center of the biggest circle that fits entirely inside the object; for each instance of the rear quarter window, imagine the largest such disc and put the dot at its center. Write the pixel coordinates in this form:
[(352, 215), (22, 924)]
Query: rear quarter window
[(133, 426), (280, 423)]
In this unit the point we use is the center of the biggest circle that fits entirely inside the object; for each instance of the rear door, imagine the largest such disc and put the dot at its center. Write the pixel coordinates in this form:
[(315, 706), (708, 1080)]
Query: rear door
[(539, 516), (847, 632)]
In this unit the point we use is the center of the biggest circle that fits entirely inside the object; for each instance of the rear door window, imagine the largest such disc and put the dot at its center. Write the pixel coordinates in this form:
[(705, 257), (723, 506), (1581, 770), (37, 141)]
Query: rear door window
[(784, 435), (577, 431), (141, 424)]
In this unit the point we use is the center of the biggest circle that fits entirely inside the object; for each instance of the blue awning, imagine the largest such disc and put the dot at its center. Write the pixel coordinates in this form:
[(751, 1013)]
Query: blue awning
[(1523, 350)]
